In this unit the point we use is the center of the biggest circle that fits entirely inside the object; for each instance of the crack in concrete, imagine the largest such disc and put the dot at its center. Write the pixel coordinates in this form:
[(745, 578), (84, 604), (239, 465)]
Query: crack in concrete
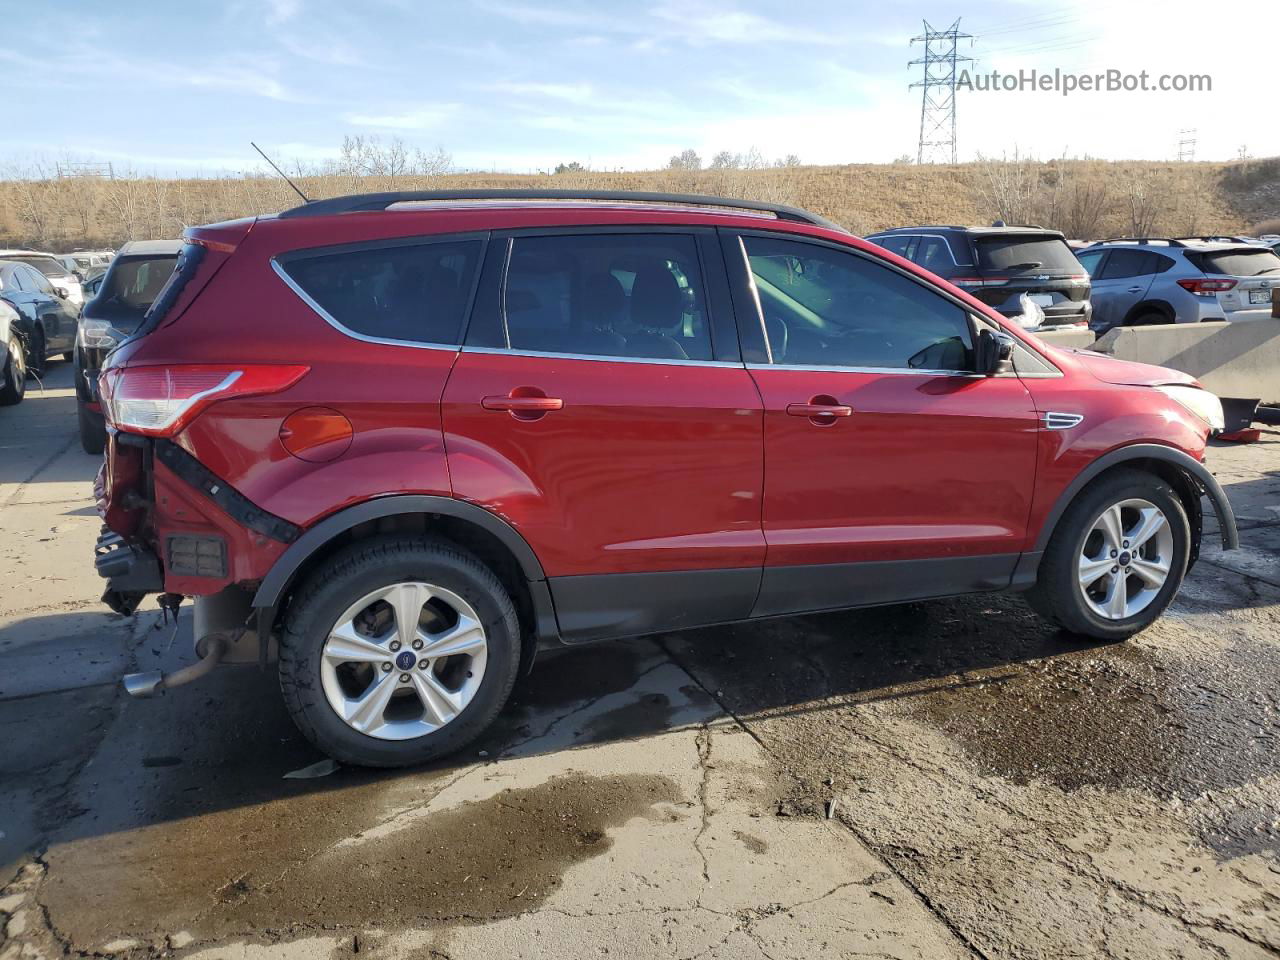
[(920, 896)]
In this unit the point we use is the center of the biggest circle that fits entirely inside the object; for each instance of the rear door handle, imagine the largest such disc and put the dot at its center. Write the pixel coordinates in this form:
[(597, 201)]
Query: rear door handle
[(522, 404), (1135, 289)]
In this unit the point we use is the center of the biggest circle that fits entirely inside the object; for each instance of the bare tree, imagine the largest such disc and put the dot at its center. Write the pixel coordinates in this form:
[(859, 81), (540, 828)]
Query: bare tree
[(1142, 200), (685, 160), (1007, 186)]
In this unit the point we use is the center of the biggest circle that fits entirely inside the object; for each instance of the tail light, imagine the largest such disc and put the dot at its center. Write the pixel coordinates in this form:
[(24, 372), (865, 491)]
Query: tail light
[(161, 401), (1206, 286), (979, 281)]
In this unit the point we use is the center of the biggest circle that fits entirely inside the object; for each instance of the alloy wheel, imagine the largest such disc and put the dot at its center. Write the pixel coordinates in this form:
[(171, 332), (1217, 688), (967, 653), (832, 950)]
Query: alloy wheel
[(1125, 559), (403, 660)]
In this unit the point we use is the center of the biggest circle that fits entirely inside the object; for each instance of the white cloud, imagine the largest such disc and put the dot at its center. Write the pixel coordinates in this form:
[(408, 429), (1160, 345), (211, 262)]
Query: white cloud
[(280, 11), (571, 92), (423, 118)]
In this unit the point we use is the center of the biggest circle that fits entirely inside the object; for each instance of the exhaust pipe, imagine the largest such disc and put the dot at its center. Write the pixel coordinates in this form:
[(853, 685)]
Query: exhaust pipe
[(140, 685)]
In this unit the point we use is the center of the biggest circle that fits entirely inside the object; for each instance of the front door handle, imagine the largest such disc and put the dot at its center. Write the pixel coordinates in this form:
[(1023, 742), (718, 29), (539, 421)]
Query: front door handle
[(524, 403), (821, 410)]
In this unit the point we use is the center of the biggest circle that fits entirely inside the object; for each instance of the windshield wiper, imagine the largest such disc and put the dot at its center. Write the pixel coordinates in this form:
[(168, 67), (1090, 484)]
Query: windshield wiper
[(1026, 265)]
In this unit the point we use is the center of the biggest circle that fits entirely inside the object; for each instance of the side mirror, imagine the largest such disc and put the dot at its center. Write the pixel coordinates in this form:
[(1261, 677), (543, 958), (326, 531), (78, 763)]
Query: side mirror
[(63, 292), (994, 353)]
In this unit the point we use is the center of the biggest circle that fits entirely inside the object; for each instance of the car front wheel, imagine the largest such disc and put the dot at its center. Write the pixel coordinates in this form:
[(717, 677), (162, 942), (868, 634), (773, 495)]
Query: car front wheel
[(1116, 558), (398, 651)]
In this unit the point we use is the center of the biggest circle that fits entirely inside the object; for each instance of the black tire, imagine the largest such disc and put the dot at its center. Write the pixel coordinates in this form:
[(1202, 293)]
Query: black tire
[(93, 429), (35, 354), (341, 581), (1148, 318), (1057, 595), (13, 381)]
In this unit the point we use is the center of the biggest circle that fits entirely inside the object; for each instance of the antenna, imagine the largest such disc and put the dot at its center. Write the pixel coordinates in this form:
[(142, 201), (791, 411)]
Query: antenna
[(304, 197)]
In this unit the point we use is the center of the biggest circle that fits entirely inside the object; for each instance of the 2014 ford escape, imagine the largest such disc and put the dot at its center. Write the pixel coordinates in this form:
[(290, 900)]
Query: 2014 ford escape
[(399, 441)]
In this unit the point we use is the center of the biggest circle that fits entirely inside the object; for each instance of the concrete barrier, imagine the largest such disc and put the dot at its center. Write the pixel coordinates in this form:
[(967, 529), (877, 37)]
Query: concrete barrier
[(1069, 337), (1231, 359)]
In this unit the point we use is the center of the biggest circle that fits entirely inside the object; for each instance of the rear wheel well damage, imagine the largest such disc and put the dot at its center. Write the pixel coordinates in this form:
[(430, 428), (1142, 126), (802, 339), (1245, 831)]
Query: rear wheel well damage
[(530, 597)]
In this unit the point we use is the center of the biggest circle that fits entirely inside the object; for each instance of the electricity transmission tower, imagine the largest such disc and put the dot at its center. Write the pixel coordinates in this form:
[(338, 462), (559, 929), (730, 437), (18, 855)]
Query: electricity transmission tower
[(1187, 144), (938, 91)]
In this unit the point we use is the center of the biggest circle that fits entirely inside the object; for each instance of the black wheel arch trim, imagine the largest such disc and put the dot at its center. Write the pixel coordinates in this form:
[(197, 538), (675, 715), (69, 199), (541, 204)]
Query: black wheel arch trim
[(274, 584), (1147, 451)]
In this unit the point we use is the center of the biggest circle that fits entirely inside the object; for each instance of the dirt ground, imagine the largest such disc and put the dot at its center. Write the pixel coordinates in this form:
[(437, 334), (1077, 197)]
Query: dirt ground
[(944, 779)]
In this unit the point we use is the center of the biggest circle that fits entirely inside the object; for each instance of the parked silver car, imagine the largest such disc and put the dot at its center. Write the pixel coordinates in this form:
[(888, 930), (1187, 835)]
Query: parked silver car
[(1146, 280), (63, 280)]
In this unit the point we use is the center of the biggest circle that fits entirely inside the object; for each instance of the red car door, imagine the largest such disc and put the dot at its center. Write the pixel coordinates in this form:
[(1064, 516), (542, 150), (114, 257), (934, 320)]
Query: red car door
[(892, 472), (592, 408)]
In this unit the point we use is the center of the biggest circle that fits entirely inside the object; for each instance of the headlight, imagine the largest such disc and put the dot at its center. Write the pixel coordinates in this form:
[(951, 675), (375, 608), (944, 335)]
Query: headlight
[(98, 334), (1202, 403)]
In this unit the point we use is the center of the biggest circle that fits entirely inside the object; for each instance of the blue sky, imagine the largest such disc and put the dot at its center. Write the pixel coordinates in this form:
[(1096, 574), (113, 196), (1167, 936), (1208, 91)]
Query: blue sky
[(520, 85)]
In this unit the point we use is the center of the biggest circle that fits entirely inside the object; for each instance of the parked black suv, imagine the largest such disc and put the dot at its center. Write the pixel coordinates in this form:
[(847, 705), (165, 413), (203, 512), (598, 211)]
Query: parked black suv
[(998, 264), (136, 275)]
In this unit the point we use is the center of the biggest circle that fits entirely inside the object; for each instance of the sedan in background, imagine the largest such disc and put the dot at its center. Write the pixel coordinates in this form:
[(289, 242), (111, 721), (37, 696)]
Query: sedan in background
[(62, 279), (137, 274), (47, 320)]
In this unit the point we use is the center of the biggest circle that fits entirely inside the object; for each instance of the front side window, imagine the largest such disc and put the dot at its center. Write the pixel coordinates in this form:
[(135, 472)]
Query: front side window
[(825, 307), (608, 295), (414, 292)]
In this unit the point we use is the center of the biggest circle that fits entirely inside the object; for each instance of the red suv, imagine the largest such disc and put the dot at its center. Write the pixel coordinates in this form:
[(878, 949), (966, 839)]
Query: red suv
[(399, 441)]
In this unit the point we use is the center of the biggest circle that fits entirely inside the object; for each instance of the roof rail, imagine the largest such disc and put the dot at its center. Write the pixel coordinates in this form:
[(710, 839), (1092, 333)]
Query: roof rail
[(368, 202), (1171, 241), (1219, 239)]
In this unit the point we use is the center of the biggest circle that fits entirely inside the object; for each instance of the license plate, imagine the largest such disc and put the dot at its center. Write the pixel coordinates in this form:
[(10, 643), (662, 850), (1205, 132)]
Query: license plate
[(1259, 296), (1046, 299)]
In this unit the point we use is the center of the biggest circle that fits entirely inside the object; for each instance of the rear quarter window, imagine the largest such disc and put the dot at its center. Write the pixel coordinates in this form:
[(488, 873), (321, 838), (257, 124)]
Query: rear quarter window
[(406, 292), (1239, 263)]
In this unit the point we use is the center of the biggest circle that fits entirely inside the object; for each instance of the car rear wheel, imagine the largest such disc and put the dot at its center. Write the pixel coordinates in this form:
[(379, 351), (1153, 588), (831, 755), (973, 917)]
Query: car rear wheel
[(93, 429), (398, 651), (14, 384), (1116, 558)]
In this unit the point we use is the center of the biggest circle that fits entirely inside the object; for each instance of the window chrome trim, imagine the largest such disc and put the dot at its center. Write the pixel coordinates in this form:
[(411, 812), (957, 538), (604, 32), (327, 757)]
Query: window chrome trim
[(347, 331), (549, 355), (908, 371)]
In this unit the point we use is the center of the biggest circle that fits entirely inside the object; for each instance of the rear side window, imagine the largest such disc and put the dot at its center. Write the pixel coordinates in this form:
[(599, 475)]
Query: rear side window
[(408, 293), (932, 253), (607, 295), (1126, 263), (1239, 263), (1026, 254)]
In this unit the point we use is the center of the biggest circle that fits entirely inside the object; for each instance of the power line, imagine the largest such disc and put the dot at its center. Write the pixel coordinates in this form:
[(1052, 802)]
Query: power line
[(938, 90)]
